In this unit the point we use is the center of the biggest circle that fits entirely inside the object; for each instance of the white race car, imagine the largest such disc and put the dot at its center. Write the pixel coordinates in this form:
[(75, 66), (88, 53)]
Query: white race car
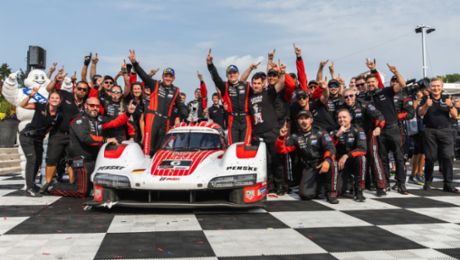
[(193, 168)]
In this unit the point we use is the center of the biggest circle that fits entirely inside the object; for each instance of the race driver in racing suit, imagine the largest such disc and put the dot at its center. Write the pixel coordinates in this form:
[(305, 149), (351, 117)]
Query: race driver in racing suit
[(235, 95), (164, 96), (316, 152)]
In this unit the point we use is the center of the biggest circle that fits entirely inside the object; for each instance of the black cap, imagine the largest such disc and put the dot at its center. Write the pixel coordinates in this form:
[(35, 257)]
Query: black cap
[(313, 82), (305, 113), (301, 93), (333, 83), (273, 72), (394, 78)]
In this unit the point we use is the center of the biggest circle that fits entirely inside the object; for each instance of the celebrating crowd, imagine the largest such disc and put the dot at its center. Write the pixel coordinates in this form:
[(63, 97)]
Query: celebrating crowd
[(327, 137)]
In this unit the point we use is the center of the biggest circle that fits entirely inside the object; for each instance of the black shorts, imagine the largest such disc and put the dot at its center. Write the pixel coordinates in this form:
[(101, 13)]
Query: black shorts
[(418, 143), (58, 144)]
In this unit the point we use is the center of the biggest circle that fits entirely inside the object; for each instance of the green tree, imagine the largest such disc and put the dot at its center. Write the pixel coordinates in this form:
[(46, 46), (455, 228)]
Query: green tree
[(5, 70), (451, 78)]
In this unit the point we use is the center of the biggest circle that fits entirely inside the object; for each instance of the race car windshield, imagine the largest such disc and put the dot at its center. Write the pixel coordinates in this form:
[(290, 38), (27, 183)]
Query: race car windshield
[(192, 142)]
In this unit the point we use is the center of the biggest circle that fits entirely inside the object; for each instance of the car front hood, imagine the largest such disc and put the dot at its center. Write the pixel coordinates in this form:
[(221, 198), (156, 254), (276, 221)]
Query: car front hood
[(174, 163)]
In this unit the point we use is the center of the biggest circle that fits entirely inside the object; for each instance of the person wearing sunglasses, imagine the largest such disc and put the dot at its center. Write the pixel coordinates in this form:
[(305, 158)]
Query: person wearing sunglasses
[(112, 109), (350, 143), (87, 135), (366, 116), (164, 97), (390, 137)]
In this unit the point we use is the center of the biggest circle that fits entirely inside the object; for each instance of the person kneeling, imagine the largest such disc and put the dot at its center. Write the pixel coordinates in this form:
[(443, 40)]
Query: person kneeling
[(351, 149), (316, 154)]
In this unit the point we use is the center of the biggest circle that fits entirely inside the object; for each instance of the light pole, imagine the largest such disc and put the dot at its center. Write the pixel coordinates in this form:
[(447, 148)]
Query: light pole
[(424, 29)]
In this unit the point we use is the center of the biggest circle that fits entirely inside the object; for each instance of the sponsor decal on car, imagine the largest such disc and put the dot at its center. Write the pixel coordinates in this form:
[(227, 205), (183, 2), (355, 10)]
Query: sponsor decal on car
[(175, 165), (102, 168), (241, 168), (169, 179)]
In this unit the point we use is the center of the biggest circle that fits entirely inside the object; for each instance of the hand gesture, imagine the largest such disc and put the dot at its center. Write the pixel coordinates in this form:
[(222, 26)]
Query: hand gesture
[(392, 68), (370, 64), (376, 131), (60, 75), (271, 55), (132, 56), (87, 59), (449, 102), (429, 101), (342, 162), (199, 75), (324, 167), (282, 67), (283, 131), (131, 107), (53, 67), (297, 50), (74, 77), (209, 58), (331, 66), (112, 140), (34, 91), (152, 72), (323, 83), (95, 59), (124, 69), (255, 65), (323, 63), (342, 130)]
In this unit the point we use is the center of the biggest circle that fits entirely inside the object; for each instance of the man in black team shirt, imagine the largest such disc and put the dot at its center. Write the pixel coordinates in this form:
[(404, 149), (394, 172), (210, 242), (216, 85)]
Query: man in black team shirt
[(235, 94), (390, 137), (58, 143), (164, 97), (266, 125), (217, 112), (436, 110)]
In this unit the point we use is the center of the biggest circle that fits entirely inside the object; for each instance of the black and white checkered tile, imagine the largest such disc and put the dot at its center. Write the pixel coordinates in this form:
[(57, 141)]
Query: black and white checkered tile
[(422, 225)]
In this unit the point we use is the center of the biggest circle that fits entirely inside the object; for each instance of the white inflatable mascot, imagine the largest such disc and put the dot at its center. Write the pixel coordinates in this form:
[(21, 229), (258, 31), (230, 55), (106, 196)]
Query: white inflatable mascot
[(15, 95)]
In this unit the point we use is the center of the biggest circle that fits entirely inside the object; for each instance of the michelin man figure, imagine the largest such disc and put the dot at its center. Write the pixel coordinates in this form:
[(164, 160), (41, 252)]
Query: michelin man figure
[(15, 95)]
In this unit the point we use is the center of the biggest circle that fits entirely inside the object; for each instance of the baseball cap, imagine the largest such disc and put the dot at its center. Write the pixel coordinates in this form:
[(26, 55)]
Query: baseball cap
[(169, 71), (305, 113), (273, 72), (333, 83), (313, 82), (232, 68)]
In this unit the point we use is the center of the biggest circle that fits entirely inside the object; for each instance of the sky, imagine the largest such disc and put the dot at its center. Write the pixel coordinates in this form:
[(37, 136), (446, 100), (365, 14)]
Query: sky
[(178, 34)]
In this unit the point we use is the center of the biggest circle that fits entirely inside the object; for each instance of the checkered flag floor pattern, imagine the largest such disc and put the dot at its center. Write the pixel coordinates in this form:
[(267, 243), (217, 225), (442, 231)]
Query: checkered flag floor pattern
[(422, 225)]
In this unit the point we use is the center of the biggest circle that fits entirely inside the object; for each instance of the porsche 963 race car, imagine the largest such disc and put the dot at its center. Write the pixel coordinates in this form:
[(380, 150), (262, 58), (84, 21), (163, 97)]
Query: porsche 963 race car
[(193, 168)]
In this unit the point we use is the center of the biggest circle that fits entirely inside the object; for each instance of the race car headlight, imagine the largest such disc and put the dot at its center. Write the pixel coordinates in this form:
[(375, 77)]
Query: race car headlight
[(112, 181), (233, 181)]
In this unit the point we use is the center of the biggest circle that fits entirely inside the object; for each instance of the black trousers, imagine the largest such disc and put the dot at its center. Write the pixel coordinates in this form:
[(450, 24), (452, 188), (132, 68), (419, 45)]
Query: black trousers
[(58, 144), (158, 133), (312, 183), (390, 141), (33, 151), (239, 129), (276, 179), (355, 169), (439, 146), (375, 172)]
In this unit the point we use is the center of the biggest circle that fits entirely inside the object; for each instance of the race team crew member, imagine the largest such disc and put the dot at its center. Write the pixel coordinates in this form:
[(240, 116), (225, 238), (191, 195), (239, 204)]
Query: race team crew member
[(217, 113), (390, 137), (197, 106), (351, 147), (266, 125), (58, 143), (86, 136), (436, 110), (235, 95), (113, 107), (365, 116), (316, 152), (31, 138), (164, 97)]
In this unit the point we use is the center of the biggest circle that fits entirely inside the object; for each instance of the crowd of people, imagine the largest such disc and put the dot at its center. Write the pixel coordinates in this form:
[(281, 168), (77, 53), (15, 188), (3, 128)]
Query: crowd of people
[(327, 137)]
